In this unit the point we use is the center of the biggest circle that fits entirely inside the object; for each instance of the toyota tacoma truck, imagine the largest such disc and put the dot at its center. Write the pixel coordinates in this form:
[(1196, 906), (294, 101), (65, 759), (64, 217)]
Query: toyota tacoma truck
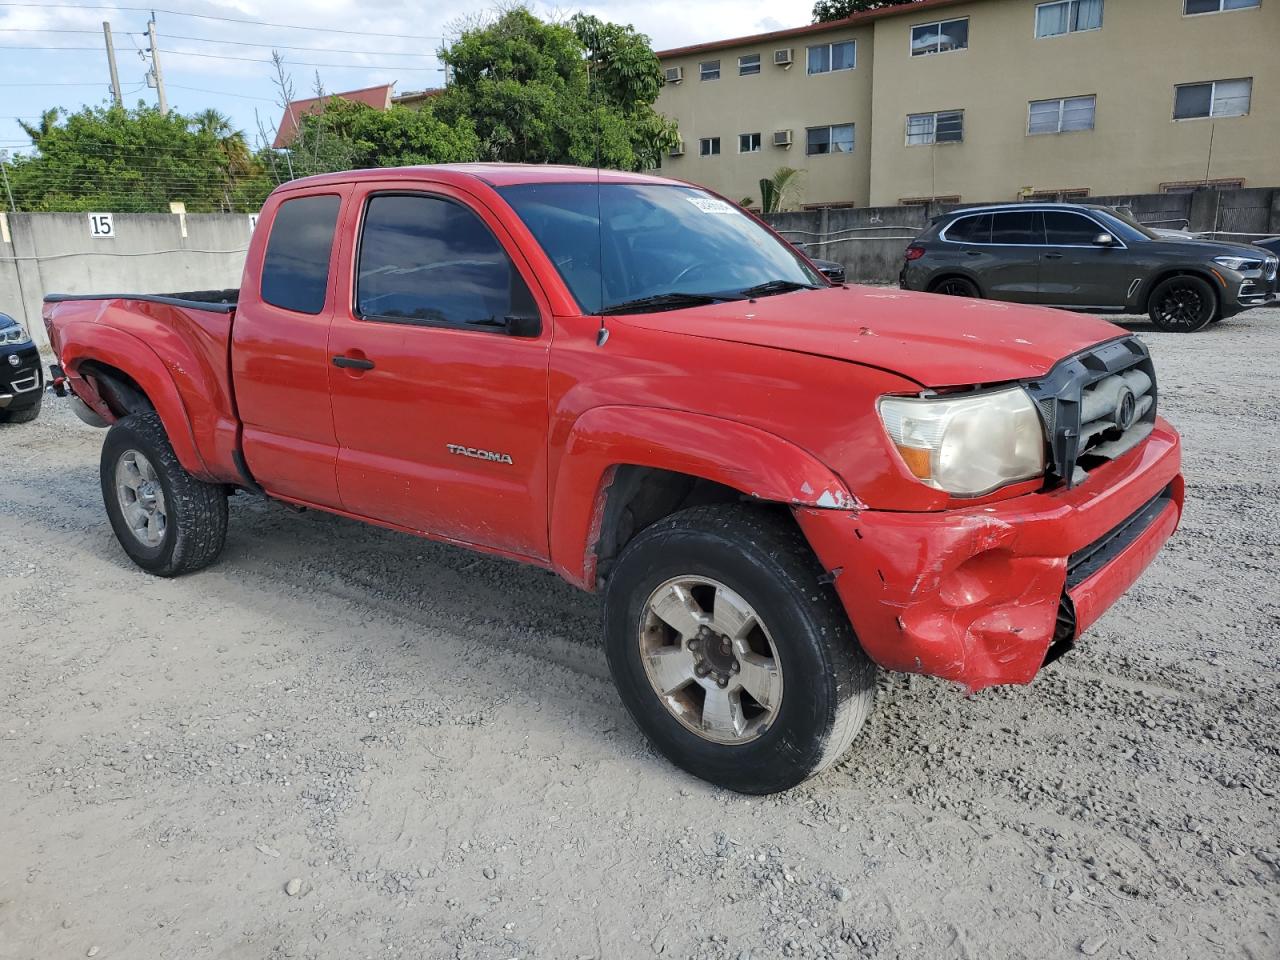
[(778, 485)]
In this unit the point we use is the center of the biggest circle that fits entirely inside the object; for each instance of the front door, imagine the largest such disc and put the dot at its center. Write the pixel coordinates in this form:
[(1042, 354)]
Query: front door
[(1077, 272), (439, 403)]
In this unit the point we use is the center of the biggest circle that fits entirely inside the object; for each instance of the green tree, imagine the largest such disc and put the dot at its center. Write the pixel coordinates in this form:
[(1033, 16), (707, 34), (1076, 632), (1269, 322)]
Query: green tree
[(39, 130), (580, 92), (824, 11), (779, 191), (137, 161)]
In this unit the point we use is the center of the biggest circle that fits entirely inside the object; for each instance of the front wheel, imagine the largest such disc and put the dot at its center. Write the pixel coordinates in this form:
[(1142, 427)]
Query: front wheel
[(731, 654), (956, 287), (1183, 304), (23, 415), (167, 521)]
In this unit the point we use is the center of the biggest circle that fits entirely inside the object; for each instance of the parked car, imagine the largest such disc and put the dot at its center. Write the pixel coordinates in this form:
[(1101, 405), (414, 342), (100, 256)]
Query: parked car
[(828, 268), (21, 379), (776, 484), (1090, 258)]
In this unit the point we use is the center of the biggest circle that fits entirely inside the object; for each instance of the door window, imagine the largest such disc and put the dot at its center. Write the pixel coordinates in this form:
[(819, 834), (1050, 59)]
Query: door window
[(295, 269), (1069, 229), (433, 261), (1017, 228)]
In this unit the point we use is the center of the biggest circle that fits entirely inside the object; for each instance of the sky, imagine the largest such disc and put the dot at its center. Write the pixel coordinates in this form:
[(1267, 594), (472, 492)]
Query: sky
[(219, 64)]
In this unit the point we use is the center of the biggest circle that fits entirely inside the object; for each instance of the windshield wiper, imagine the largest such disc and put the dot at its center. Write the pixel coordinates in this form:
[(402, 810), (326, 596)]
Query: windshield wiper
[(775, 286), (667, 301)]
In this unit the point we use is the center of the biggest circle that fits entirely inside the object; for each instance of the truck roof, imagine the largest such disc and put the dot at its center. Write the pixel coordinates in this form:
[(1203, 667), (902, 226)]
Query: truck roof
[(493, 174)]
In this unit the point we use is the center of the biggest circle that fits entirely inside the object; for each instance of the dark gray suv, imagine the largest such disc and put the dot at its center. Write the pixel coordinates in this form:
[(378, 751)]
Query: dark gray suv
[(1087, 257)]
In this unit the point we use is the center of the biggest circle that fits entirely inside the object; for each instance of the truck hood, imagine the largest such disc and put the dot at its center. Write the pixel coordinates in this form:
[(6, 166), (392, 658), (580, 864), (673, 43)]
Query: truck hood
[(934, 340)]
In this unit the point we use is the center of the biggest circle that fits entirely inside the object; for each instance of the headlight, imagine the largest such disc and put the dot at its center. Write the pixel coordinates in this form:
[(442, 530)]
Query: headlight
[(1238, 263), (970, 445), (14, 334)]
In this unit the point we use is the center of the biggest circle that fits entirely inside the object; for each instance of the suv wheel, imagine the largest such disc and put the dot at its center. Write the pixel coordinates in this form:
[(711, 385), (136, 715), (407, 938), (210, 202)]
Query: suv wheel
[(1183, 304), (23, 415), (956, 287), (167, 521), (731, 654)]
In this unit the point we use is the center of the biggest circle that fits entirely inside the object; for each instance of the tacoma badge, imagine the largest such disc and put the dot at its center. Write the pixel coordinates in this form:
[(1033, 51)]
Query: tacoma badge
[(478, 454)]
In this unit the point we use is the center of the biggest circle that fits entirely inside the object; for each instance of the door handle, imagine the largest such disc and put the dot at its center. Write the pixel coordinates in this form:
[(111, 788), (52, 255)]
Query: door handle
[(1053, 256), (353, 363), (973, 253)]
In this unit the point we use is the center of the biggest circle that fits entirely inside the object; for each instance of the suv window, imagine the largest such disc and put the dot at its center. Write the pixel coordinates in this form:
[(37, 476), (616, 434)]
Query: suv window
[(295, 270), (430, 260), (971, 229), (1069, 229), (1021, 227)]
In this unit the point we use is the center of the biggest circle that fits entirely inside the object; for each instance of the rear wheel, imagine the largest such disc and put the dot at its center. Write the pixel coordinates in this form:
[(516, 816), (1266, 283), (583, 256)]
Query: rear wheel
[(1183, 304), (956, 287), (733, 657), (167, 521)]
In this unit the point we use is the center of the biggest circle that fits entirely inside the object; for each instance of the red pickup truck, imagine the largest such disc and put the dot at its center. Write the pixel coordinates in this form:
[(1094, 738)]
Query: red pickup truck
[(777, 483)]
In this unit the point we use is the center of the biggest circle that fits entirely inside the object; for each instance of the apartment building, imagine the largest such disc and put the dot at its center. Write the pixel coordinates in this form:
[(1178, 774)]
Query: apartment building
[(983, 100)]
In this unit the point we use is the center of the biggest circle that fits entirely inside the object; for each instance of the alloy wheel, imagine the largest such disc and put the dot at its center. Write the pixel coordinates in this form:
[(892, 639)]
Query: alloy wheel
[(141, 498), (1182, 307)]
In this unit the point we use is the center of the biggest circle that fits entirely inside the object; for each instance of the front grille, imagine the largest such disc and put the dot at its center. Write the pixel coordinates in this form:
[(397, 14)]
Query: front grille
[(1096, 406), (1088, 560)]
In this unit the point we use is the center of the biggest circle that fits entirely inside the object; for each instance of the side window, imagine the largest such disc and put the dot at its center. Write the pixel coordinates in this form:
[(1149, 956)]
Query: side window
[(295, 270), (971, 229), (429, 260), (1021, 228), (1069, 229)]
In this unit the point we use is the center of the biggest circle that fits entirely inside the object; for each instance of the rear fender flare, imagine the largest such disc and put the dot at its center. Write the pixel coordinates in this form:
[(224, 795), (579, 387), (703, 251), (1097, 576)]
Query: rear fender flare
[(83, 342), (755, 462)]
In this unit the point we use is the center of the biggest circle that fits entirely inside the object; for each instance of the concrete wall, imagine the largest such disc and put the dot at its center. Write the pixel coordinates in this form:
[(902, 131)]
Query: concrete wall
[(55, 253), (778, 98), (869, 240)]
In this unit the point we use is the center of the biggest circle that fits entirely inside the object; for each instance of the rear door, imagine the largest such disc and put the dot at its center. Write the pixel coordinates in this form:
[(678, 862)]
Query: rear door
[(441, 413), (279, 359), (1011, 261), (1075, 271)]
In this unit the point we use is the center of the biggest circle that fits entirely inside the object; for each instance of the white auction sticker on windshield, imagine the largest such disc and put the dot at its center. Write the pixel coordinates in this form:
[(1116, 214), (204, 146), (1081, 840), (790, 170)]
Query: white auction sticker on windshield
[(710, 205)]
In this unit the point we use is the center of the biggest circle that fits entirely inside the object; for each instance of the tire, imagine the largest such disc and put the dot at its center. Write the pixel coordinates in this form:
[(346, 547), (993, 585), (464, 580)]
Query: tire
[(956, 287), (725, 557), (185, 526), (23, 415), (1182, 304)]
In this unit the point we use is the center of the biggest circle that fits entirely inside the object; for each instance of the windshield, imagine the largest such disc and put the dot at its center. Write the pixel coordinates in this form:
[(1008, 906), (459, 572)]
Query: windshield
[(618, 245), (1124, 219)]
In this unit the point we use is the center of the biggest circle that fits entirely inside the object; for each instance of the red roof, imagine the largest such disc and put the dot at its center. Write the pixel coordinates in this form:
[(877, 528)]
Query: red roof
[(378, 97), (854, 21)]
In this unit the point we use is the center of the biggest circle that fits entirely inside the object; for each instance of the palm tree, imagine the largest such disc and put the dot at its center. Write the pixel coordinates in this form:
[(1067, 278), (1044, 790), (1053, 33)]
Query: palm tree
[(778, 191), (38, 131), (235, 158)]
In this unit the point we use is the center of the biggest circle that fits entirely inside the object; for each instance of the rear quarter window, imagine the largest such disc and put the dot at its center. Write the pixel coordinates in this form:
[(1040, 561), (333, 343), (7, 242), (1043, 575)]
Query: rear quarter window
[(295, 270)]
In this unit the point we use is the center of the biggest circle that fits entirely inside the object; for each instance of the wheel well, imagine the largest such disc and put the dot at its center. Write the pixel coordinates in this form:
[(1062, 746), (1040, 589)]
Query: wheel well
[(119, 391), (638, 497), (1179, 272), (943, 278)]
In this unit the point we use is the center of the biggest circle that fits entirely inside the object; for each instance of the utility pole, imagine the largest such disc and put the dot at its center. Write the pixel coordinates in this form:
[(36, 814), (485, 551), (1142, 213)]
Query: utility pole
[(4, 177), (111, 62), (156, 74)]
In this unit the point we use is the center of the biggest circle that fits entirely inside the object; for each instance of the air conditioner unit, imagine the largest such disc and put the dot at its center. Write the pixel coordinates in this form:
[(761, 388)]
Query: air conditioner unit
[(677, 150), (782, 58), (675, 74), (782, 138)]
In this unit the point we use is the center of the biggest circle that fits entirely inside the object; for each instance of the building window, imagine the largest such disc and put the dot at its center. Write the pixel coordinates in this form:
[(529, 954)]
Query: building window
[(749, 65), (1065, 195), (946, 126), (1190, 186), (709, 70), (829, 57), (1217, 6), (1068, 16), (1221, 98), (939, 37), (748, 143), (1061, 116), (837, 139), (709, 147), (925, 201)]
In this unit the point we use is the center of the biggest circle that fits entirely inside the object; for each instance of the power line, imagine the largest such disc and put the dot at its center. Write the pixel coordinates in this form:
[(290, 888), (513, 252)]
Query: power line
[(206, 16), (296, 63), (224, 93), (284, 46)]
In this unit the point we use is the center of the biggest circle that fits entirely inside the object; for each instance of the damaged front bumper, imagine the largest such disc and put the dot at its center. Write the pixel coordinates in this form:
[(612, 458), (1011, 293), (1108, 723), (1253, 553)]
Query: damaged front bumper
[(987, 595)]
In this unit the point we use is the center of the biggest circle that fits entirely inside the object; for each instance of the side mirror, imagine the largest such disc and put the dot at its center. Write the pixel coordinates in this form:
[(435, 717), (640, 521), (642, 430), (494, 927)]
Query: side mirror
[(524, 326), (1104, 240)]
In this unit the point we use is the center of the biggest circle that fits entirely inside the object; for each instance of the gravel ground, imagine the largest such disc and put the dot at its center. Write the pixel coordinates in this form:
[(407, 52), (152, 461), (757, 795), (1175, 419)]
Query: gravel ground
[(340, 742)]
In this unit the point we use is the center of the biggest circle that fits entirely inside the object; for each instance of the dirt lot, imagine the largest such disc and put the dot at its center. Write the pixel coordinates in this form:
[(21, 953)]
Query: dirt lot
[(427, 743)]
